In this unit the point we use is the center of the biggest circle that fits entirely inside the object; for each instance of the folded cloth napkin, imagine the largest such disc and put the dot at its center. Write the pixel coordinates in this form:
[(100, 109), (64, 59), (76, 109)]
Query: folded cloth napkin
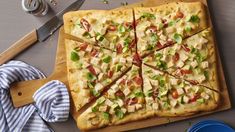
[(51, 101)]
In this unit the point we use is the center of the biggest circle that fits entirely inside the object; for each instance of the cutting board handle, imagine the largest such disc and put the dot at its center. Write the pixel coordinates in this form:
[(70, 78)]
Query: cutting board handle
[(18, 46)]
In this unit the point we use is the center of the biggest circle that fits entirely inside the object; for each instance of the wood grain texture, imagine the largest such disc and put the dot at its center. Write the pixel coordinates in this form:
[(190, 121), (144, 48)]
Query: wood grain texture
[(18, 46), (22, 92)]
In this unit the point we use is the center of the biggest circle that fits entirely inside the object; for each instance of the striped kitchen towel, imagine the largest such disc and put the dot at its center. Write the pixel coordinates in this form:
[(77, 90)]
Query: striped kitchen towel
[(51, 101)]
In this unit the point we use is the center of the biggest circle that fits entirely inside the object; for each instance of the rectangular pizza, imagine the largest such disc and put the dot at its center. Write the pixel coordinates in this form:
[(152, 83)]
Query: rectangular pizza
[(140, 63)]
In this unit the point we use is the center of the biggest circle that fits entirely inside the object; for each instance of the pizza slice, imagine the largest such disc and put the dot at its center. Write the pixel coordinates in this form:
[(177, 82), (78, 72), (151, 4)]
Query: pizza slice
[(193, 60), (91, 69), (161, 26), (123, 102), (170, 96), (109, 29)]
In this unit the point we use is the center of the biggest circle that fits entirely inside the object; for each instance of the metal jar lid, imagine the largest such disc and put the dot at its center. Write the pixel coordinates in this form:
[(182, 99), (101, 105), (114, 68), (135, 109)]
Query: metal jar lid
[(35, 7)]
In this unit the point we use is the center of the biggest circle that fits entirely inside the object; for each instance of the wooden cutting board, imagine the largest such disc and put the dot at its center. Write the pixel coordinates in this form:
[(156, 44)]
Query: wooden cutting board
[(22, 92)]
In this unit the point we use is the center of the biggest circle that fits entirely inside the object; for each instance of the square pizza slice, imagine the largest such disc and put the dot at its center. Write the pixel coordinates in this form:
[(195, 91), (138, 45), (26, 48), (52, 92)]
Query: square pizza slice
[(91, 69), (112, 29), (161, 26), (170, 96), (123, 102), (194, 59)]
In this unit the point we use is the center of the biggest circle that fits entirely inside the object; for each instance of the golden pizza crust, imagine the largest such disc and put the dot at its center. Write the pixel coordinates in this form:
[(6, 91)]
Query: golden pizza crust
[(84, 123), (138, 115), (192, 108)]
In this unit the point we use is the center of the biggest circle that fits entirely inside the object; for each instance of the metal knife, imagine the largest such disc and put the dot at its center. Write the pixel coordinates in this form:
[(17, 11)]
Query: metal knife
[(40, 34)]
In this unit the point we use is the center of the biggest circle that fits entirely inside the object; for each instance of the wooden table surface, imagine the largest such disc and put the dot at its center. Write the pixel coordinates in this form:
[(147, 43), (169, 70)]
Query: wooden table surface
[(14, 23)]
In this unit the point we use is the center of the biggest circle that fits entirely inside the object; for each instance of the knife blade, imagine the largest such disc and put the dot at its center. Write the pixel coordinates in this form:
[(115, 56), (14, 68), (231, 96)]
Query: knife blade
[(40, 34), (54, 23)]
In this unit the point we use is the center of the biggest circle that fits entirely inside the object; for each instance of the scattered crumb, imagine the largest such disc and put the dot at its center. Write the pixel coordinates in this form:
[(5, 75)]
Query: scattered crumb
[(124, 3), (105, 1)]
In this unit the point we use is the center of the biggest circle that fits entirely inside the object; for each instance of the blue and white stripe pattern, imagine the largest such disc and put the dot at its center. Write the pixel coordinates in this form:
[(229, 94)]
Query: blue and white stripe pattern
[(51, 101)]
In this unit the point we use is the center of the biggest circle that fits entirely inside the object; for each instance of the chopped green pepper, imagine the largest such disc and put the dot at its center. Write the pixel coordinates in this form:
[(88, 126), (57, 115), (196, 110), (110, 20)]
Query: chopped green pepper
[(201, 100), (95, 93), (178, 38), (149, 93), (99, 37), (158, 56), (161, 64), (125, 49), (148, 16), (194, 19), (118, 67), (127, 41), (139, 94), (94, 109), (206, 74), (171, 23), (121, 29), (90, 76), (154, 38), (106, 115), (87, 35), (188, 29), (119, 113), (107, 59), (74, 56)]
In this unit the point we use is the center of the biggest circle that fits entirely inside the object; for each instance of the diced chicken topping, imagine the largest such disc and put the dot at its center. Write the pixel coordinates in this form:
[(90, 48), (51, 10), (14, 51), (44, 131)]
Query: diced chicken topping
[(100, 76), (81, 53), (126, 91), (180, 91), (104, 66), (185, 99), (155, 106), (95, 61), (98, 86), (180, 64), (131, 108), (201, 78), (205, 96), (115, 60), (120, 102), (173, 103), (183, 56), (123, 110), (147, 85), (202, 40), (205, 64), (174, 81), (194, 64), (108, 102), (115, 88), (138, 106), (103, 108), (170, 63), (89, 48), (122, 60), (149, 100), (82, 84), (155, 82)]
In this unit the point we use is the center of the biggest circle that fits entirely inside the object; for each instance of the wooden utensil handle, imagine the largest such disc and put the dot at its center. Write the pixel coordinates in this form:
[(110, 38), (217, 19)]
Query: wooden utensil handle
[(18, 46), (22, 92)]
